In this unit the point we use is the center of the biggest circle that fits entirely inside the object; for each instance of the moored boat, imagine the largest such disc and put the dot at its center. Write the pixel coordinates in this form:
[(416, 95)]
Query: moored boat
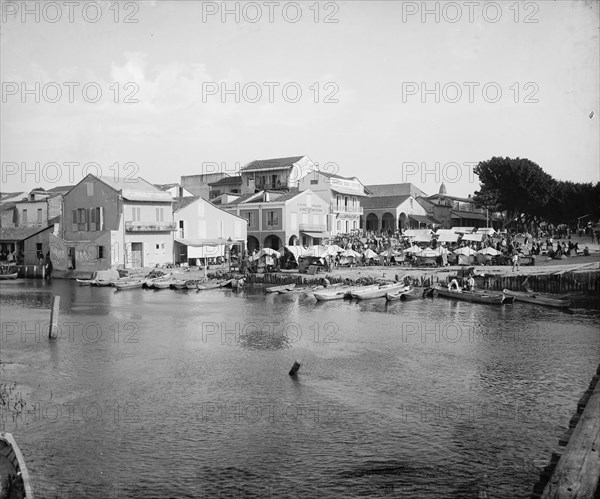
[(85, 282), (15, 481), (128, 284), (275, 289), (327, 294), (101, 283), (163, 284), (559, 301), (379, 291), (490, 297), (208, 285), (14, 275), (404, 294)]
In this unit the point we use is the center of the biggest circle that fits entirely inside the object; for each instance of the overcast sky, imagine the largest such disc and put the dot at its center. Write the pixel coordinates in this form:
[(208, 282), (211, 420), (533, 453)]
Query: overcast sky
[(514, 79)]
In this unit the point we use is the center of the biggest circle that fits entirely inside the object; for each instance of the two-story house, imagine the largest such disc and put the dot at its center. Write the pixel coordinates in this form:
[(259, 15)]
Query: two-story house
[(277, 219), (344, 196), (204, 230), (395, 212), (281, 174), (110, 222)]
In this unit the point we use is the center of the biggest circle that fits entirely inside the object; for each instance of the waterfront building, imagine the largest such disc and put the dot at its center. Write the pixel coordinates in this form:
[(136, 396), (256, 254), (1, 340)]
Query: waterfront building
[(277, 218), (226, 185), (204, 230), (343, 194), (111, 223), (395, 212), (454, 211), (402, 189), (280, 174), (28, 245), (199, 184)]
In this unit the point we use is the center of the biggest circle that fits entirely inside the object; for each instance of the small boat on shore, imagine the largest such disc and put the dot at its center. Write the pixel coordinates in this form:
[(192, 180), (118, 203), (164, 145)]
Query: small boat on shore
[(379, 291), (15, 481), (490, 297), (275, 289), (559, 301), (210, 285), (4, 277), (166, 284), (85, 282), (404, 294), (308, 289)]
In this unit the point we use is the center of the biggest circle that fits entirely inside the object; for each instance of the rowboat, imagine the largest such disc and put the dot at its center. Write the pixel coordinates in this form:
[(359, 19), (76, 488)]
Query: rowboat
[(541, 299), (15, 481), (85, 282), (163, 284), (308, 289), (14, 275), (275, 289), (491, 297), (101, 283), (380, 291), (403, 295), (209, 285), (129, 284), (333, 294), (179, 285)]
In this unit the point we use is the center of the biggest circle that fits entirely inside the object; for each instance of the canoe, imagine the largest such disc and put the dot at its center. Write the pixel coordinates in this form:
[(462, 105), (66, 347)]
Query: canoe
[(128, 284), (333, 294), (403, 295), (14, 275), (541, 298), (490, 297), (275, 289), (15, 480), (380, 291)]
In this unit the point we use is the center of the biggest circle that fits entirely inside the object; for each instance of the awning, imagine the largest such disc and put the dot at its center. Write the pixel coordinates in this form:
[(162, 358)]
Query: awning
[(472, 237), (467, 215), (316, 234), (447, 236)]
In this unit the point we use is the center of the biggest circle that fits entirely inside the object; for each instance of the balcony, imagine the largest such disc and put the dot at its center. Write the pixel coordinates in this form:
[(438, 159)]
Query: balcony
[(150, 226)]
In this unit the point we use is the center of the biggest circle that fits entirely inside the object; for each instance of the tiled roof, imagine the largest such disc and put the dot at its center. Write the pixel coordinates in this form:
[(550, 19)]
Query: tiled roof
[(276, 163), (135, 189), (335, 175), (8, 206), (19, 233), (235, 180), (181, 203), (382, 202), (61, 189), (468, 214), (403, 189), (249, 198)]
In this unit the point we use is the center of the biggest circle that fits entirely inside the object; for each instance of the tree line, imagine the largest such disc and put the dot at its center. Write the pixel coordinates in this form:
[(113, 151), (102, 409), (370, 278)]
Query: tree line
[(530, 195)]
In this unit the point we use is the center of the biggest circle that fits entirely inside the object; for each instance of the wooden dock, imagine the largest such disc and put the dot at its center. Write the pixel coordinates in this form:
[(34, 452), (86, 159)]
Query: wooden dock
[(575, 473)]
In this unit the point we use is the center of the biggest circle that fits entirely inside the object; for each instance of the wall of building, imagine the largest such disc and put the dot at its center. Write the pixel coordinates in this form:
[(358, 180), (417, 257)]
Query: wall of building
[(32, 213), (84, 197), (151, 254), (197, 185), (86, 254), (30, 246)]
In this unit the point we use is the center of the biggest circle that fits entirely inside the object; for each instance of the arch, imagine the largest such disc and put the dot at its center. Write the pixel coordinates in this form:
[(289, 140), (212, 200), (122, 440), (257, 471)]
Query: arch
[(372, 222), (388, 221), (402, 220), (273, 242), (253, 244), (293, 241)]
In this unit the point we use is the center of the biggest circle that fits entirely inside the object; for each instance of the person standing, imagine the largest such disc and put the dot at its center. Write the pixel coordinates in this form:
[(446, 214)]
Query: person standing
[(515, 260), (49, 266)]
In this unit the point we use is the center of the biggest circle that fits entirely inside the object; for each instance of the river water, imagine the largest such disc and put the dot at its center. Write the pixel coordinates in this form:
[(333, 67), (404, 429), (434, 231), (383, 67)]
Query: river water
[(152, 394)]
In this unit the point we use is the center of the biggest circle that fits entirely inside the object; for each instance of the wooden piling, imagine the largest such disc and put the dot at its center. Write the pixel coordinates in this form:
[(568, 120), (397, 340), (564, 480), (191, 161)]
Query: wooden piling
[(53, 329), (294, 368)]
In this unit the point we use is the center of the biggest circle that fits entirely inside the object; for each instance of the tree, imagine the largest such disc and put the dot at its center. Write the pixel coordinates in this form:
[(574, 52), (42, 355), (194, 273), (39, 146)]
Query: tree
[(518, 186)]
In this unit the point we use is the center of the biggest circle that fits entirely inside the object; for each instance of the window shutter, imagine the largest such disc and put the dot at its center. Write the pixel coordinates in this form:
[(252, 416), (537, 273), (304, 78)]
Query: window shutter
[(100, 218), (74, 224)]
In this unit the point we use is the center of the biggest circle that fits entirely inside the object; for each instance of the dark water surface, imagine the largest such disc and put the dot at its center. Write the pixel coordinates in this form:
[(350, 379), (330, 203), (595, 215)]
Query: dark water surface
[(151, 394)]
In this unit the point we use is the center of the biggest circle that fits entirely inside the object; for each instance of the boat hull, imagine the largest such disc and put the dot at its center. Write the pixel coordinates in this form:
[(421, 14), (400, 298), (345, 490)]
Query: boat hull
[(379, 292), (12, 463), (275, 289), (5, 277), (328, 295), (128, 285), (477, 297), (540, 299), (410, 294)]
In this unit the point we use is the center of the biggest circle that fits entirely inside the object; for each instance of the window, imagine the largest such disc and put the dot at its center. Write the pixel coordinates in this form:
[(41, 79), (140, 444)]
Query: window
[(339, 225), (135, 214), (162, 246), (314, 182), (251, 217), (39, 215), (272, 218), (24, 216), (180, 191), (100, 253), (354, 203), (354, 225), (181, 229), (90, 188), (160, 215), (80, 220), (157, 246), (39, 252), (345, 203)]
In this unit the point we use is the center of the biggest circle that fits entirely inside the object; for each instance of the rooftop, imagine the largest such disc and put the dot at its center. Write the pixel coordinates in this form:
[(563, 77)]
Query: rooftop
[(271, 164), (181, 203), (381, 202), (235, 180)]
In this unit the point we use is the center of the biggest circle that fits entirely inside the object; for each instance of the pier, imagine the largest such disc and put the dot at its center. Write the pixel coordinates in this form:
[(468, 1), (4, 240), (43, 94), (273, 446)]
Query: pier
[(575, 472)]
